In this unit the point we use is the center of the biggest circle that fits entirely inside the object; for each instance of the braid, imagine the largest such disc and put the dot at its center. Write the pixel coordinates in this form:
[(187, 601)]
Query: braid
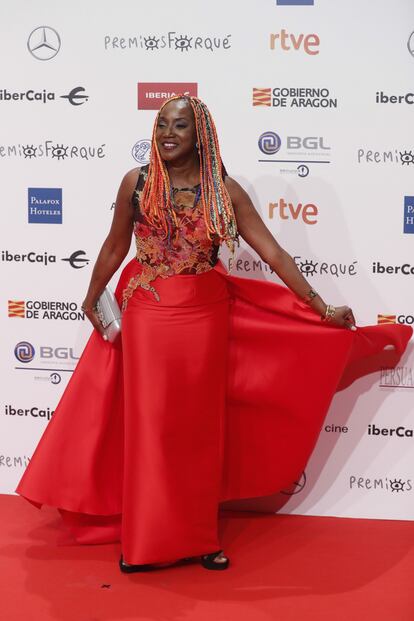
[(156, 199)]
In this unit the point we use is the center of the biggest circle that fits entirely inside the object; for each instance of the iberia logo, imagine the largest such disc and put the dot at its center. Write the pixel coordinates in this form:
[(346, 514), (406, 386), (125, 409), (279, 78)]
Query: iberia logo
[(16, 308), (262, 96), (152, 94), (387, 319)]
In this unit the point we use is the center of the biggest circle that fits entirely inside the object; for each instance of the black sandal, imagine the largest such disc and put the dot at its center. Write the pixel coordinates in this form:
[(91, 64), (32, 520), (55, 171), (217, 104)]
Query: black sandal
[(208, 562), (131, 569)]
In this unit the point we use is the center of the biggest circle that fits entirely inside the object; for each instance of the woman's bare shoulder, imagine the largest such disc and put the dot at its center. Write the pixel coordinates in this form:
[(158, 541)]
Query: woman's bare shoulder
[(234, 188), (131, 177)]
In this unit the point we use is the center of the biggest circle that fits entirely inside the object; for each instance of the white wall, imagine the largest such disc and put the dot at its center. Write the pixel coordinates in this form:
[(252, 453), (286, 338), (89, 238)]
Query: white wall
[(362, 49)]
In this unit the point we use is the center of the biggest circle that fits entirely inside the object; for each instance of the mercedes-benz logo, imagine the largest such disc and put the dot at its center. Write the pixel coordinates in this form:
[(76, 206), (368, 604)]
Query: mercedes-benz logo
[(76, 96), (76, 258), (410, 44), (43, 43)]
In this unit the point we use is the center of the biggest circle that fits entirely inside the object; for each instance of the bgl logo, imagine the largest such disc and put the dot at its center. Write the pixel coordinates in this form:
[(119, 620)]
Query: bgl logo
[(270, 143), (25, 352), (311, 143), (59, 353)]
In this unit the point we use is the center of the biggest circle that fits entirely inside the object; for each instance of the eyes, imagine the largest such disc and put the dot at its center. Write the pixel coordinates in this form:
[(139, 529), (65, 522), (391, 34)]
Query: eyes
[(161, 124)]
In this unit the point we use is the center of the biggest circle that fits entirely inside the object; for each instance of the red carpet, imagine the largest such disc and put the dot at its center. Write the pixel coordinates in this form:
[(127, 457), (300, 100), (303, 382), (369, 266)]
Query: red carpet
[(283, 568)]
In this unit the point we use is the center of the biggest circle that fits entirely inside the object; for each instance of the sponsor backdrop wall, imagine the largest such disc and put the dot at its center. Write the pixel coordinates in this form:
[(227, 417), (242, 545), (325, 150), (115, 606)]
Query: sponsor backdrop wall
[(314, 105)]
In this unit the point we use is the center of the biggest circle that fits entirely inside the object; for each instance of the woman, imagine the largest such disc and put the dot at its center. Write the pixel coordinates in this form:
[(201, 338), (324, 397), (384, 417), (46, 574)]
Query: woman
[(175, 417)]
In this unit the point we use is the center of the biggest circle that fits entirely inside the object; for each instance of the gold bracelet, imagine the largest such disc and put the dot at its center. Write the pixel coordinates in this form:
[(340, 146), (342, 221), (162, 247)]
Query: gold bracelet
[(310, 296), (86, 309), (329, 313)]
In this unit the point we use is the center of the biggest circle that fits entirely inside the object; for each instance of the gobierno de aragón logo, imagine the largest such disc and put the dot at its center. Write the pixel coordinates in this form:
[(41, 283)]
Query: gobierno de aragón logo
[(45, 309)]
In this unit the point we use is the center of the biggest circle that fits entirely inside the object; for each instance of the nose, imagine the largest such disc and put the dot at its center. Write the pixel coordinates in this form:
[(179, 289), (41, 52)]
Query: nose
[(168, 130)]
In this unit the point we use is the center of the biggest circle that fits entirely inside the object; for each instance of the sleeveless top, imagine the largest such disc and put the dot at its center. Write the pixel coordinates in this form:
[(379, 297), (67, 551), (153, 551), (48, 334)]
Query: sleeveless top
[(188, 251)]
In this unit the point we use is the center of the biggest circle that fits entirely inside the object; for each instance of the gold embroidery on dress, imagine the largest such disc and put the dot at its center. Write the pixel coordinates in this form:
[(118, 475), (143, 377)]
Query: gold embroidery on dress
[(189, 250)]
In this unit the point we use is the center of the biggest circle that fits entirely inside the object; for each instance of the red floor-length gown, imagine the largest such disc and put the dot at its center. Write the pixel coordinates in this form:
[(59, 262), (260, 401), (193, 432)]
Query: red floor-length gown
[(196, 403)]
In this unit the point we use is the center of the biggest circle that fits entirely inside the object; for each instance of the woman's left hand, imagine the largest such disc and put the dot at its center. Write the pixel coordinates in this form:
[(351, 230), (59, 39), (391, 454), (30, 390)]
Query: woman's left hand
[(344, 317)]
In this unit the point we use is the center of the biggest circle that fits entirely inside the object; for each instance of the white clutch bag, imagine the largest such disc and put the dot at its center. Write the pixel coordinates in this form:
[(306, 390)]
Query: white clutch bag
[(109, 314)]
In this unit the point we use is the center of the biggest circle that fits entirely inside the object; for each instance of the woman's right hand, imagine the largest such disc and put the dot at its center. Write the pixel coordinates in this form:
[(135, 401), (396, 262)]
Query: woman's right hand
[(92, 315)]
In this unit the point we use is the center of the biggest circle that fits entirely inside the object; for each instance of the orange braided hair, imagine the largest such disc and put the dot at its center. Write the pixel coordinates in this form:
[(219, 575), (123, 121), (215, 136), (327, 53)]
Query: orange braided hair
[(156, 199)]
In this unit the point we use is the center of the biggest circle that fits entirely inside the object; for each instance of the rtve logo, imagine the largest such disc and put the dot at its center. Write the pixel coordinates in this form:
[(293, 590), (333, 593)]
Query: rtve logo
[(286, 211), (287, 42)]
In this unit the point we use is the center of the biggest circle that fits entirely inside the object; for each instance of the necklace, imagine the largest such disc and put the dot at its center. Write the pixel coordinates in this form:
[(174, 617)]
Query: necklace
[(173, 192), (173, 231)]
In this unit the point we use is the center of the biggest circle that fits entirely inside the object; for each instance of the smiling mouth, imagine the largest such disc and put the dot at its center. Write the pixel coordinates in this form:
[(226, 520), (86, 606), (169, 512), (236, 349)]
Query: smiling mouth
[(169, 146)]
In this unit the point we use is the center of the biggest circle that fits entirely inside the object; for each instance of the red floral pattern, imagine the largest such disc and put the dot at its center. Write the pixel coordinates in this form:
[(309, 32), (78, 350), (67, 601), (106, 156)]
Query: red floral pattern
[(189, 251)]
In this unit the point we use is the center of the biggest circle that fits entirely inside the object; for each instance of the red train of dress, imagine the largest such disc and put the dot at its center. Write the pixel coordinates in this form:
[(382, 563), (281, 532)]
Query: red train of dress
[(270, 424)]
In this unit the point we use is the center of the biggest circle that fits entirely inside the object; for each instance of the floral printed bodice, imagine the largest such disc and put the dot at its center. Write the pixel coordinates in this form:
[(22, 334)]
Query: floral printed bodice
[(190, 251)]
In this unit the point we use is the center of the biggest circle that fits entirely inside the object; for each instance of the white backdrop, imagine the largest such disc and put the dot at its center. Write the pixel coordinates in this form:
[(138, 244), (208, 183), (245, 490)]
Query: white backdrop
[(336, 164)]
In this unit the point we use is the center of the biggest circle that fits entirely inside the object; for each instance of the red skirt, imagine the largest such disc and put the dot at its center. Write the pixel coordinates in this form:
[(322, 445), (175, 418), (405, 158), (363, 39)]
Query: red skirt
[(197, 403)]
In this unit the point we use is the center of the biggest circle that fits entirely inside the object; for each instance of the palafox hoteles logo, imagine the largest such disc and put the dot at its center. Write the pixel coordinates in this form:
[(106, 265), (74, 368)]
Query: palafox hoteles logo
[(408, 214), (151, 95), (293, 97), (45, 309), (45, 205), (76, 96)]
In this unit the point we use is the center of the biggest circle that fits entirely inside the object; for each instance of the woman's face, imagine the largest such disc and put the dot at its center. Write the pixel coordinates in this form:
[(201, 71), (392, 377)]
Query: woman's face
[(176, 133)]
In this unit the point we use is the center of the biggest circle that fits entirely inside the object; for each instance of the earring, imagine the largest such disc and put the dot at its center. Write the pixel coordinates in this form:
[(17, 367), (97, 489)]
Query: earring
[(197, 147)]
